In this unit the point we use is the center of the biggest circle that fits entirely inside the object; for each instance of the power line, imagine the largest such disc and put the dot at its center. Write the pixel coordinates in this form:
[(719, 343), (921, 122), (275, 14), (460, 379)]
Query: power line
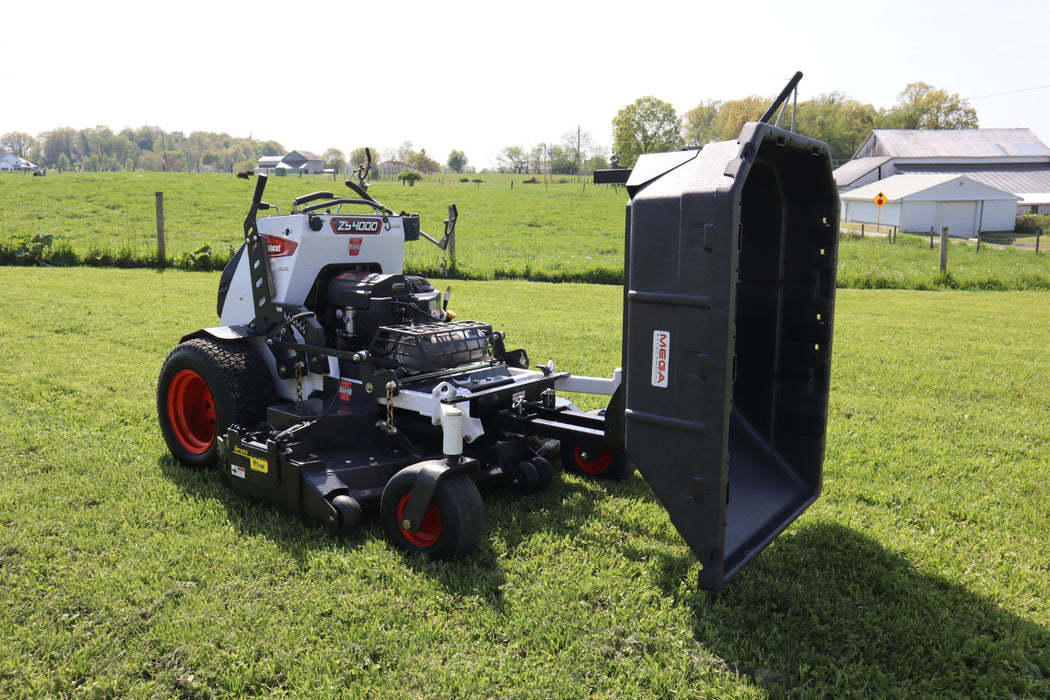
[(1012, 92)]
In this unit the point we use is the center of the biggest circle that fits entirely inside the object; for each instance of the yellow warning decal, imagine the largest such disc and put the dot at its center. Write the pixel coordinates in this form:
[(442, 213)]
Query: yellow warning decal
[(259, 465)]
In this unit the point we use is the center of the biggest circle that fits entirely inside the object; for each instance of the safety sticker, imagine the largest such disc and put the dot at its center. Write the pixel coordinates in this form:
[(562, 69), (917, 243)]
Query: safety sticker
[(238, 471), (661, 358), (346, 389)]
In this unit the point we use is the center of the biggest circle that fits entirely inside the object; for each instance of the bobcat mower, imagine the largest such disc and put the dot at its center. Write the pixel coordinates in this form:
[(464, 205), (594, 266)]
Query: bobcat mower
[(336, 384)]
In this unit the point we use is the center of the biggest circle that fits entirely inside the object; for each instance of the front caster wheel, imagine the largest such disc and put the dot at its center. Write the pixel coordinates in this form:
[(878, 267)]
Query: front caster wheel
[(596, 462), (453, 523), (347, 514)]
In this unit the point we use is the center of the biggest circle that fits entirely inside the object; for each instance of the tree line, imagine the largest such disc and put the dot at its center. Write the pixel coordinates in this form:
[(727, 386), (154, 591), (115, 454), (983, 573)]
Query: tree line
[(145, 148), (648, 125), (651, 125)]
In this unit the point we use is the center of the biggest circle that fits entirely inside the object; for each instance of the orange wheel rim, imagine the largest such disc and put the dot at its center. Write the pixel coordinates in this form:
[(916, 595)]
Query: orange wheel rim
[(595, 466), (191, 411), (428, 534)]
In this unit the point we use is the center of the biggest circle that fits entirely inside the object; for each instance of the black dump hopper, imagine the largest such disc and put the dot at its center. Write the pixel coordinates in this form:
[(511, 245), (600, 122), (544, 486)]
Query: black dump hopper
[(731, 256)]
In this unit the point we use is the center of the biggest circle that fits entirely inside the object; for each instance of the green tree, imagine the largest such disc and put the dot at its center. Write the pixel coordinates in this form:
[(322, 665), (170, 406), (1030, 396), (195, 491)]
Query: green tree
[(17, 142), (647, 126), (404, 152), (515, 159), (838, 120), (195, 146), (334, 159), (596, 163), (563, 160), (539, 160), (359, 157), (457, 161), (733, 114), (63, 141), (921, 106), (409, 176), (422, 162), (150, 161), (701, 123), (268, 148), (580, 145)]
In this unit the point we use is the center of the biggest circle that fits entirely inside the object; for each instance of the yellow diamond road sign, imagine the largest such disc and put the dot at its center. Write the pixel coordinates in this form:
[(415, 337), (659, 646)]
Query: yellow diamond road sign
[(879, 200)]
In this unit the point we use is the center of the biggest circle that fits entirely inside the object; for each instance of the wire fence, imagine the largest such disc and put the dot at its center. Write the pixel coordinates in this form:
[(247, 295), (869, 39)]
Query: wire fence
[(134, 228), (999, 239)]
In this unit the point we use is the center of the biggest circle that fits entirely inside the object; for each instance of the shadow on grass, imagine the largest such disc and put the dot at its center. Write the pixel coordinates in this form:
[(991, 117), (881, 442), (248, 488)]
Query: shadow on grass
[(511, 518), (294, 534), (828, 611)]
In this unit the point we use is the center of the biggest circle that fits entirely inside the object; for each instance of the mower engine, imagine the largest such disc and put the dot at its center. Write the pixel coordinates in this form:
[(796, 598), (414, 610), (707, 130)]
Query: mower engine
[(357, 304), (400, 320)]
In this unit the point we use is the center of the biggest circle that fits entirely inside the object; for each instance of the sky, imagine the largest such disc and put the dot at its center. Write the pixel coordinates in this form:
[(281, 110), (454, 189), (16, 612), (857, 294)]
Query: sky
[(481, 76)]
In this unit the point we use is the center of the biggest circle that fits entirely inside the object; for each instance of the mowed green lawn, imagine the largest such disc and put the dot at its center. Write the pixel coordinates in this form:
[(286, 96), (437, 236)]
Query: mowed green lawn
[(562, 230), (922, 571), (506, 227)]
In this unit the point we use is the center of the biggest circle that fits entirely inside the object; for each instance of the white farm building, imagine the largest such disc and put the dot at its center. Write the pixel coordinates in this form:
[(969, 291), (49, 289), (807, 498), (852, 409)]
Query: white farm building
[(1012, 161), (919, 203)]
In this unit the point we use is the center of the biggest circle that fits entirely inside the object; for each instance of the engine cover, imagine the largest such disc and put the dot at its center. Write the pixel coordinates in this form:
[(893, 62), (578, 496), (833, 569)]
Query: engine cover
[(356, 304)]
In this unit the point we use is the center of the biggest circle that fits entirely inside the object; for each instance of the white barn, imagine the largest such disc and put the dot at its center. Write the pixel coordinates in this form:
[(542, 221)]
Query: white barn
[(9, 161), (1012, 160), (917, 203)]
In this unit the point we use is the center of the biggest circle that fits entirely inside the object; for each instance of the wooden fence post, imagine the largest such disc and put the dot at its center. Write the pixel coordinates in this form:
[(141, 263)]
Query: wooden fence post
[(944, 248), (160, 229)]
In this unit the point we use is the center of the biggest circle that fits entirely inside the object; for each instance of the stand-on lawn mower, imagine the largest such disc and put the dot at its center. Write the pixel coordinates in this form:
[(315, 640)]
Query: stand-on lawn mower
[(336, 383)]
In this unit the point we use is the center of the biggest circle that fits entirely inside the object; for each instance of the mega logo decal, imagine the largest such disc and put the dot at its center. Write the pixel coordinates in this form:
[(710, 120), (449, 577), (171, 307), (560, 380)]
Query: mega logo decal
[(661, 357), (342, 224), (279, 247)]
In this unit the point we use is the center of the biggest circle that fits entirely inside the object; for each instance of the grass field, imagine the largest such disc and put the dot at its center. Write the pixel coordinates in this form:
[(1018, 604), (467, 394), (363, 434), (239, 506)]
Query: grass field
[(922, 571), (559, 231), (506, 227)]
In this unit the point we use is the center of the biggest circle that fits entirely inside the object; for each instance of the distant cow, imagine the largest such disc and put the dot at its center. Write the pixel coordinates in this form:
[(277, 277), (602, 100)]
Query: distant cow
[(246, 174)]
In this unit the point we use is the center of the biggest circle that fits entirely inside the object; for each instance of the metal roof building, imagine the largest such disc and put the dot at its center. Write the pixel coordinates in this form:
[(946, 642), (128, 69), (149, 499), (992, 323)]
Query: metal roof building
[(919, 203), (1011, 160), (982, 144)]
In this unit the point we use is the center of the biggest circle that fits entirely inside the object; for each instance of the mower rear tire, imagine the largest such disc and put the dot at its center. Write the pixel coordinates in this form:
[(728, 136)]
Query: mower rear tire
[(600, 463), (206, 385), (454, 521)]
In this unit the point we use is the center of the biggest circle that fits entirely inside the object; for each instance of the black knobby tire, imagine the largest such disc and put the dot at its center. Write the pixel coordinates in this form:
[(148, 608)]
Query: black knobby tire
[(454, 521), (205, 386), (600, 462)]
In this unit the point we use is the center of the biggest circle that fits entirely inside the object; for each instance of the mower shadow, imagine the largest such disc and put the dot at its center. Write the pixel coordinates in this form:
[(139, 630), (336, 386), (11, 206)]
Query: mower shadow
[(511, 519), (292, 533), (830, 612)]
